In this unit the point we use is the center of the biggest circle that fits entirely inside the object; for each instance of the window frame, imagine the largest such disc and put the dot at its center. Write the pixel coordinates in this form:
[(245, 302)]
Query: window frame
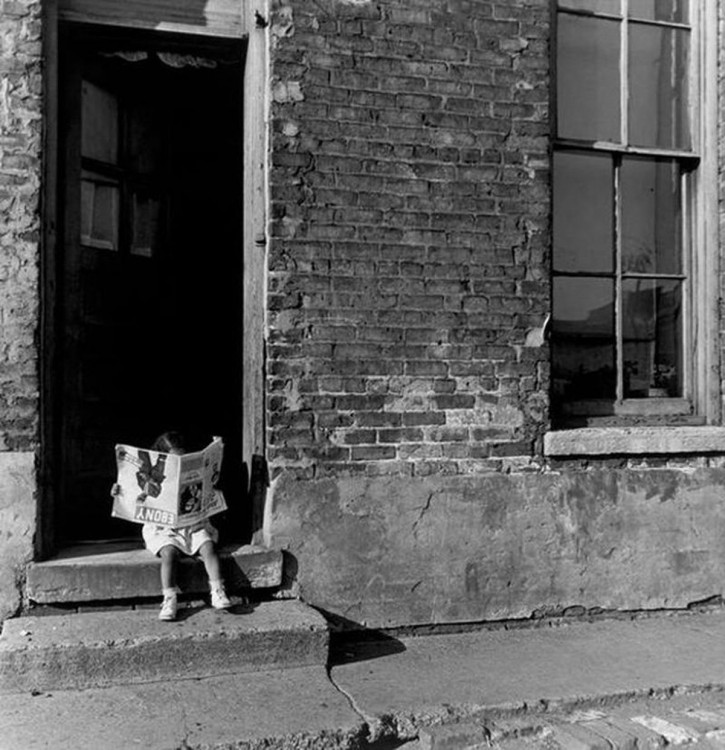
[(700, 401)]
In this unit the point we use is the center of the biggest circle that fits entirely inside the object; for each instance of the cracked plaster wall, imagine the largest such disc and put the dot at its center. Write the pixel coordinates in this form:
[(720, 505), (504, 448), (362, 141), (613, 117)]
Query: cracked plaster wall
[(386, 552), (20, 180)]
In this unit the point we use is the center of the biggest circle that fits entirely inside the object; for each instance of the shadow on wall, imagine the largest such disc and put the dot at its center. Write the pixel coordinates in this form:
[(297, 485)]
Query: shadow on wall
[(350, 641), (258, 483)]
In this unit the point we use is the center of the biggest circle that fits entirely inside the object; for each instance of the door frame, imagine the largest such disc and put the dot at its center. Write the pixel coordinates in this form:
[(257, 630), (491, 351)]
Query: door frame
[(254, 34)]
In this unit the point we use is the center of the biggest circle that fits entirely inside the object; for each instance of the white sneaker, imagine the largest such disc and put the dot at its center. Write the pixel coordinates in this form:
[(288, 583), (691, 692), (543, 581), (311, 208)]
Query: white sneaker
[(168, 608), (219, 598)]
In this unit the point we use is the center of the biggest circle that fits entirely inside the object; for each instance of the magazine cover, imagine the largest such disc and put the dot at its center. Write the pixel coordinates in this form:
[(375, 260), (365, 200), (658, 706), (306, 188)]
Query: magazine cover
[(167, 489)]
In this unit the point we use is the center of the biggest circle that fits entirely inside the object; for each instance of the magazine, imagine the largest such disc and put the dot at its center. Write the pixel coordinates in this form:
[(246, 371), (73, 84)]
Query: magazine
[(168, 489)]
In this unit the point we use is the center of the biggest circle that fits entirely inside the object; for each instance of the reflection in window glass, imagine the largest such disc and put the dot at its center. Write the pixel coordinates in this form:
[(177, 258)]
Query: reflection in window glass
[(583, 212), (99, 213), (99, 124), (583, 338), (588, 78), (651, 222), (674, 11), (612, 7), (146, 214), (144, 144), (658, 94), (652, 338)]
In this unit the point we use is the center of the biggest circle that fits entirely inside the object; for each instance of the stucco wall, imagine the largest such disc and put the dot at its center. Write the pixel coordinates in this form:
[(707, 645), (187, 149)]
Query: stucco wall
[(17, 526), (20, 179), (386, 552)]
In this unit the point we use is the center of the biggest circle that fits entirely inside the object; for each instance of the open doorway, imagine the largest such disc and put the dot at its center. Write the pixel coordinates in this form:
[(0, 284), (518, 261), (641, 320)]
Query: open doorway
[(149, 329)]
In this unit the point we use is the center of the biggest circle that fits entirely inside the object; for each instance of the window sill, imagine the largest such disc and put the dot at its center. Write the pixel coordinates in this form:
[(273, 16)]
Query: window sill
[(613, 441)]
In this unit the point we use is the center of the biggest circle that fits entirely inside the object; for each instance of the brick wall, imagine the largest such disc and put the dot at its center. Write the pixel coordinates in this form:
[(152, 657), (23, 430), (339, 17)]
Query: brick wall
[(20, 144), (408, 269), (407, 371)]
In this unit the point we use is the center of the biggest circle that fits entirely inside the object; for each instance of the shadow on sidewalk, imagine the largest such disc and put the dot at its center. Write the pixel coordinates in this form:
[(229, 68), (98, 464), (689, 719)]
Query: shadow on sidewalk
[(351, 641)]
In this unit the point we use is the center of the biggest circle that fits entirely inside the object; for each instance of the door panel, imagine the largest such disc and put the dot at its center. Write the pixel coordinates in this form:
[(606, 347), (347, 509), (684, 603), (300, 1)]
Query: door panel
[(151, 276)]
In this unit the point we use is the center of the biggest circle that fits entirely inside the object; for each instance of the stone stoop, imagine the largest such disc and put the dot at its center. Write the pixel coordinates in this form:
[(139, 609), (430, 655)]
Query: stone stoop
[(125, 571), (99, 649)]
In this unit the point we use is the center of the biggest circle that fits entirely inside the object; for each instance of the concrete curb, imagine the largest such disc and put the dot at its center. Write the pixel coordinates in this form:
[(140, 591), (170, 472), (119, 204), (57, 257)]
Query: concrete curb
[(112, 648)]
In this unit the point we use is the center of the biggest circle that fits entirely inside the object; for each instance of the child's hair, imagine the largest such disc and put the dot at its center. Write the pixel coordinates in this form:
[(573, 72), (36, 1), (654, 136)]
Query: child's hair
[(169, 441)]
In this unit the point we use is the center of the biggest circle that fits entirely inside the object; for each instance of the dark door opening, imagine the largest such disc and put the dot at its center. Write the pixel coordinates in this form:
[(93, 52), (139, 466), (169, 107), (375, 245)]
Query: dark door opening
[(150, 282)]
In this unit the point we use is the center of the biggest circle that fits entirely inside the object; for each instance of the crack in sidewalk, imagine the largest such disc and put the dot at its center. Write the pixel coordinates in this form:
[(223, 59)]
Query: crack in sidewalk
[(374, 727)]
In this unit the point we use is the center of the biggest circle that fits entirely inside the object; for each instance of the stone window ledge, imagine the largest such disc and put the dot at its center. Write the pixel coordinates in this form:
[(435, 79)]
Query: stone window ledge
[(603, 441)]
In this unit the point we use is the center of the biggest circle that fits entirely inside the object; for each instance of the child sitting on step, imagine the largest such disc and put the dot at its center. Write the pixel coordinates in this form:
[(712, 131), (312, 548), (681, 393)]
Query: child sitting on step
[(168, 543)]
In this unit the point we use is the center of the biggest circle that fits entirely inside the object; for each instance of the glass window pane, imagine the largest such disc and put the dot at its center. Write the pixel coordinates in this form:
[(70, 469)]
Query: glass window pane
[(612, 7), (658, 91), (588, 90), (99, 212), (99, 124), (144, 137), (651, 216), (583, 212), (652, 338), (675, 11), (146, 214), (583, 339)]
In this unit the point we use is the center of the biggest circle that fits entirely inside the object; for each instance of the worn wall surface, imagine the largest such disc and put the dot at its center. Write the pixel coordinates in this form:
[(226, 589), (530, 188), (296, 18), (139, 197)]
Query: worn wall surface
[(407, 371), (408, 267), (20, 179), (402, 551)]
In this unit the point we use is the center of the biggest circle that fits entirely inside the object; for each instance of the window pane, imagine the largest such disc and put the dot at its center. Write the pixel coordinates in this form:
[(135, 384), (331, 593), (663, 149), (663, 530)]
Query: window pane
[(146, 214), (583, 212), (659, 10), (583, 339), (658, 92), (651, 216), (99, 124), (144, 138), (99, 212), (600, 6), (588, 78), (652, 338)]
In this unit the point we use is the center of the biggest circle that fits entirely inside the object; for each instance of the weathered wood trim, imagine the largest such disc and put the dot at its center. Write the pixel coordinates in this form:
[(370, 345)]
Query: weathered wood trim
[(603, 441), (220, 18), (707, 379), (255, 226), (47, 465)]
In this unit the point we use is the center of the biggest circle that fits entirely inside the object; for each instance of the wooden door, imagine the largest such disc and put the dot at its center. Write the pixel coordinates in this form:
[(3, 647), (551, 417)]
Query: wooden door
[(151, 276)]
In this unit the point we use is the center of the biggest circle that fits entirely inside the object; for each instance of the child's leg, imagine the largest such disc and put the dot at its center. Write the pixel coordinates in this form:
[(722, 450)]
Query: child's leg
[(219, 599), (211, 562), (168, 555)]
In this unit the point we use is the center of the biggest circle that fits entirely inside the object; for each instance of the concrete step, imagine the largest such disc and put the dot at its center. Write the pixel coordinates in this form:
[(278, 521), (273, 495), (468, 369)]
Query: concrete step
[(99, 649), (123, 570)]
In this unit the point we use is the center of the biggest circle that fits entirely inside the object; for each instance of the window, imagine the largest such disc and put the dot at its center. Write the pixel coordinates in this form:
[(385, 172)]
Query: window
[(627, 245), (120, 190)]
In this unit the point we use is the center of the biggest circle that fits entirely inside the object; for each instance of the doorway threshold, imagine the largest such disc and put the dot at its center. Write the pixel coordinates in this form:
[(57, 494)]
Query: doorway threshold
[(124, 570)]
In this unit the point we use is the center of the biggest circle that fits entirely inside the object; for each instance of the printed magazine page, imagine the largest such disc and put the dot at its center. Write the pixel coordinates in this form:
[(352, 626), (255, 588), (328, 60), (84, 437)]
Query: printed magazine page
[(167, 489)]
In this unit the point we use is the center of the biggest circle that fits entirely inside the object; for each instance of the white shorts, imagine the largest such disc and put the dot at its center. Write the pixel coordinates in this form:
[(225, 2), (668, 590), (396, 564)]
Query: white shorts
[(189, 540)]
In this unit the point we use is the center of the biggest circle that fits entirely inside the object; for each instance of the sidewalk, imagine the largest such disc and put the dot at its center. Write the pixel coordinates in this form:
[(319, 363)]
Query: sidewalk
[(388, 691)]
